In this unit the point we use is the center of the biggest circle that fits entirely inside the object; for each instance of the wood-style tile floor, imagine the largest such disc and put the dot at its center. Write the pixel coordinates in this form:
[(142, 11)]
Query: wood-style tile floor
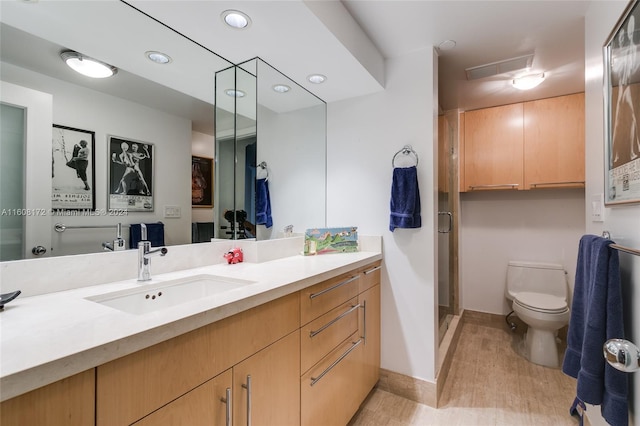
[(488, 384)]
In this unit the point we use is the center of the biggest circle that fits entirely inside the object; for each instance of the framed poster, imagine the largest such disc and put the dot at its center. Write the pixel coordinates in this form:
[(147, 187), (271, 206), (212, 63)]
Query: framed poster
[(622, 109), (72, 169), (130, 175), (201, 181)]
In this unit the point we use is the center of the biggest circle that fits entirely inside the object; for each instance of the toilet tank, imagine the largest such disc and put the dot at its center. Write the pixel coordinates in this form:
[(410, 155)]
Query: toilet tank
[(546, 278)]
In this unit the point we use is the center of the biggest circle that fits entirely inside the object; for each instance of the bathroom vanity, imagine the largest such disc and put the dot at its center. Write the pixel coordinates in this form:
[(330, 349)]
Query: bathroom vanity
[(298, 343)]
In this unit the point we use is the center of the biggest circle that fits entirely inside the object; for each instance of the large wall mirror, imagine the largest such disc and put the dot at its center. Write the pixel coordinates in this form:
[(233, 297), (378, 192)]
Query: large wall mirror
[(167, 109), (271, 160)]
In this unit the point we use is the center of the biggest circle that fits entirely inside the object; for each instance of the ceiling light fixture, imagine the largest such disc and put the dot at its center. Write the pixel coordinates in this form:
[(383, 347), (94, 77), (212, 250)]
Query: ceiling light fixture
[(281, 88), (447, 45), (236, 19), (527, 82), (158, 57), (235, 93), (317, 78), (87, 66)]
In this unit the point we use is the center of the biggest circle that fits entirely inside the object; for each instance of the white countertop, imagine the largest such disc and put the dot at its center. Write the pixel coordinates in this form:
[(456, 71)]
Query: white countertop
[(49, 337)]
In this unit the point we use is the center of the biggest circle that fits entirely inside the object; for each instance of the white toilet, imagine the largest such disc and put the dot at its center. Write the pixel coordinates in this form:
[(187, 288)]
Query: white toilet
[(539, 293)]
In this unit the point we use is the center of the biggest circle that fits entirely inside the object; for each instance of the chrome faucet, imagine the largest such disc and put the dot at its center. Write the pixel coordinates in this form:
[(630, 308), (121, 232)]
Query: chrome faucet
[(145, 253), (118, 244)]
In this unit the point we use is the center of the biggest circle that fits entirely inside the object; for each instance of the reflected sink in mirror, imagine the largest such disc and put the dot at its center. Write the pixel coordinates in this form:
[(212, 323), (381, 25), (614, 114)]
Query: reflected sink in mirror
[(154, 297)]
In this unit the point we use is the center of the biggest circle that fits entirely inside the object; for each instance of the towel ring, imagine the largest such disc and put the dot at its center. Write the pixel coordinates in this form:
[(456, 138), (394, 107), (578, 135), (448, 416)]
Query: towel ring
[(406, 150), (263, 166)]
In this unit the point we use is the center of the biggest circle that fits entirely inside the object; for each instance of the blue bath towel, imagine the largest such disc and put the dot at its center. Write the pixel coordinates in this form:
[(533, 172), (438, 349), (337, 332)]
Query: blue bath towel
[(405, 199), (263, 203), (155, 234), (596, 316)]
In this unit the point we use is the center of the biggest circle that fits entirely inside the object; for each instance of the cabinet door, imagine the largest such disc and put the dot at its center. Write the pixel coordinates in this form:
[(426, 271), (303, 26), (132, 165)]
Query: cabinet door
[(266, 387), (494, 148), (69, 402), (208, 405), (370, 333), (554, 142)]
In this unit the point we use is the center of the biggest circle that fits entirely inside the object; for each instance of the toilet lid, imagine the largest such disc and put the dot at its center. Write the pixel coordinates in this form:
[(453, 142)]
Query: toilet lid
[(541, 302)]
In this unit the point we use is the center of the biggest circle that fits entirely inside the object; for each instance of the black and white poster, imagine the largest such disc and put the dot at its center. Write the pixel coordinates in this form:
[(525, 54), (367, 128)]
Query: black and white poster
[(72, 169), (130, 175)]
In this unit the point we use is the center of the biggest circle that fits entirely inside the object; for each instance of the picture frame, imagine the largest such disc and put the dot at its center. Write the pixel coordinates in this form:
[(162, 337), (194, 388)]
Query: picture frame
[(621, 53), (73, 169), (201, 181), (131, 174)]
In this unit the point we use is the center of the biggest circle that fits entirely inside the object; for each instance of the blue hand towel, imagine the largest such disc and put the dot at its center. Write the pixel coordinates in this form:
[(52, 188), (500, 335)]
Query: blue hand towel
[(596, 316), (155, 234), (405, 199), (263, 203)]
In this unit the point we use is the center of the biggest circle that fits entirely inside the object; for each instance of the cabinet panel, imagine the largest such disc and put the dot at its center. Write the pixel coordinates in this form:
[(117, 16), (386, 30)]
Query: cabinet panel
[(320, 298), (266, 385), (554, 142), (494, 148), (206, 405), (68, 402), (320, 336), (370, 332)]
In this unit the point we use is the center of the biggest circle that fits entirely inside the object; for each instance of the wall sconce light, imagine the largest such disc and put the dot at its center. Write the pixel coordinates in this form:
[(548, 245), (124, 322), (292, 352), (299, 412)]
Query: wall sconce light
[(528, 81), (87, 66)]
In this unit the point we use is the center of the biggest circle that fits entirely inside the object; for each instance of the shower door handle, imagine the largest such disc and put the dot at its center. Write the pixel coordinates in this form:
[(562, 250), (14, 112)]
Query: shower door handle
[(450, 216), (622, 355)]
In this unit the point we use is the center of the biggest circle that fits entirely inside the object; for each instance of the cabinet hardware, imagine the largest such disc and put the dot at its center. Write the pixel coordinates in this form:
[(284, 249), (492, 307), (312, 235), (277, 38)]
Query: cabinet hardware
[(499, 185), (326, 290), (248, 388), (535, 185), (364, 321), (333, 321), (227, 401), (369, 271), (354, 345)]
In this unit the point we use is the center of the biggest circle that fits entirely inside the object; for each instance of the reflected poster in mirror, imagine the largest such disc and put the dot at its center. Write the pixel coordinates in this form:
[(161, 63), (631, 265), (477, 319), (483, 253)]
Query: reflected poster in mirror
[(130, 175), (72, 169), (622, 109), (201, 181)]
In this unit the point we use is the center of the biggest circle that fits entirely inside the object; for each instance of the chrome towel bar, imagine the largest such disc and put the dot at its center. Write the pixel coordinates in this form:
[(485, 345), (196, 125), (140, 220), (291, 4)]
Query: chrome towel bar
[(61, 227), (607, 235)]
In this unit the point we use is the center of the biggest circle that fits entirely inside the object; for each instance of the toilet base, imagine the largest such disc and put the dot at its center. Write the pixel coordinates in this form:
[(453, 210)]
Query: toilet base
[(540, 347)]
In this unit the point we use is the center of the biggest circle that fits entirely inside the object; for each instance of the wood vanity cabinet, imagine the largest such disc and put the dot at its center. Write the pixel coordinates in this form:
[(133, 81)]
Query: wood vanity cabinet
[(554, 142), (494, 145), (68, 402)]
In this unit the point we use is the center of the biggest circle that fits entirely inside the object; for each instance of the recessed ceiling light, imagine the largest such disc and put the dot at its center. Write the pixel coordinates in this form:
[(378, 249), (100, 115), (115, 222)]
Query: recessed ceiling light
[(235, 93), (158, 57), (447, 45), (87, 66), (236, 19), (317, 78), (281, 88), (527, 82)]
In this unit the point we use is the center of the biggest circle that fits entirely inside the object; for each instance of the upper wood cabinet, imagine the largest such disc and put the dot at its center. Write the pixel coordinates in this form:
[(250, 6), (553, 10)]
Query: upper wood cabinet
[(529, 145), (554, 142), (493, 148)]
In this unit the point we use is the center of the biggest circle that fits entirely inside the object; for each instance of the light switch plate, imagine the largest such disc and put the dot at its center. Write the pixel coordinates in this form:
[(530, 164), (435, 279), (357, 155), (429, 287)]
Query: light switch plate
[(597, 208), (172, 211)]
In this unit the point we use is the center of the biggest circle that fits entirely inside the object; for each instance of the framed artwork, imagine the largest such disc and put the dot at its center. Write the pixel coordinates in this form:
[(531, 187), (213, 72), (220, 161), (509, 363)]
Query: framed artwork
[(201, 181), (130, 175), (622, 109), (72, 169)]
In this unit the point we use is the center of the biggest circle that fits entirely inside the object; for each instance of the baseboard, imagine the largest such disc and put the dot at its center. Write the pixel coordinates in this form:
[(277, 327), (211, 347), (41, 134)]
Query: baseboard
[(445, 354), (408, 387)]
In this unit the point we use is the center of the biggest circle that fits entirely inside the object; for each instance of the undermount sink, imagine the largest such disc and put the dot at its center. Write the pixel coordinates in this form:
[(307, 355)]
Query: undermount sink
[(154, 297)]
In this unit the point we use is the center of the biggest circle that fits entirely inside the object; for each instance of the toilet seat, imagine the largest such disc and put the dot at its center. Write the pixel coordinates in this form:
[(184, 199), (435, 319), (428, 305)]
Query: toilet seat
[(544, 303)]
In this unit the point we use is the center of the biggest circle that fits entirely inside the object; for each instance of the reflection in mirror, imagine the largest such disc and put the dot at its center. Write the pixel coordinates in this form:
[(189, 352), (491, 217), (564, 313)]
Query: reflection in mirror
[(276, 151), (168, 105)]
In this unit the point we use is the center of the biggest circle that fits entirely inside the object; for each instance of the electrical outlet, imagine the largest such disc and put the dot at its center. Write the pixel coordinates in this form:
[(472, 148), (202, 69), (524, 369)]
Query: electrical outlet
[(172, 211)]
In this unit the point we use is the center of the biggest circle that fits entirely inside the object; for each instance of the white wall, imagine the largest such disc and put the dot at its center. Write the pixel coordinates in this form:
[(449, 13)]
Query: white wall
[(623, 222), (363, 135), (498, 226), (86, 109)]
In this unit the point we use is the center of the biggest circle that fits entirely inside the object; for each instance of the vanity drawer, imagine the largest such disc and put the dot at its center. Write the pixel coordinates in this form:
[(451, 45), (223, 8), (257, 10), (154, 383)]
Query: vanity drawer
[(323, 334), (321, 298), (370, 276), (326, 390)]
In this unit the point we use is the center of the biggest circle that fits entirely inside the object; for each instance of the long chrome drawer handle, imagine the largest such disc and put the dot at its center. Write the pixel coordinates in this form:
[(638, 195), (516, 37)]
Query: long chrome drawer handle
[(227, 401), (556, 183), (248, 388), (333, 321), (369, 271), (499, 185), (315, 380), (326, 290)]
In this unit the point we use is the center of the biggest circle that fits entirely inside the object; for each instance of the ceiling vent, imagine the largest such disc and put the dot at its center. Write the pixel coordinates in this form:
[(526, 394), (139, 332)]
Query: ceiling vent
[(500, 67)]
